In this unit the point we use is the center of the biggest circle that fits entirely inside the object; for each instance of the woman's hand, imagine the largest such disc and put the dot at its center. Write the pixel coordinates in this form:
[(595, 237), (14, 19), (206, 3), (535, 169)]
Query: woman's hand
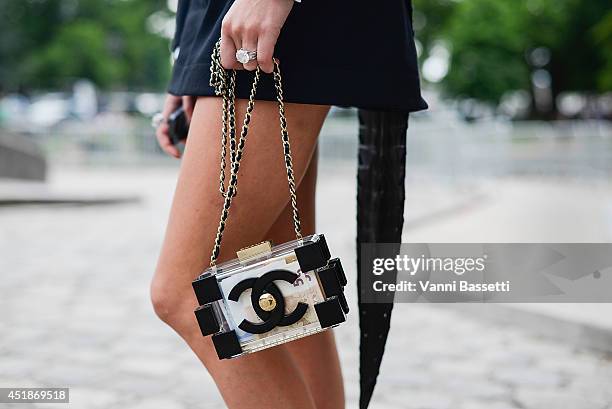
[(253, 25), (162, 132)]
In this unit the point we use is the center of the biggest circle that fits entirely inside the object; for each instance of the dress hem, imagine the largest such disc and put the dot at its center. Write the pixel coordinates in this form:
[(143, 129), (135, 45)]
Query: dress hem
[(350, 91)]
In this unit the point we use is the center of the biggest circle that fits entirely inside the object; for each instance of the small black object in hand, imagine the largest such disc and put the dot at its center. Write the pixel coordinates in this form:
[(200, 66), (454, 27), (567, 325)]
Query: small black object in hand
[(178, 126)]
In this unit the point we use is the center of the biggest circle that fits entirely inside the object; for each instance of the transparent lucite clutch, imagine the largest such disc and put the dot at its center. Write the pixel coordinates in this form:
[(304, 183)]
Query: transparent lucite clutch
[(271, 295), (267, 295)]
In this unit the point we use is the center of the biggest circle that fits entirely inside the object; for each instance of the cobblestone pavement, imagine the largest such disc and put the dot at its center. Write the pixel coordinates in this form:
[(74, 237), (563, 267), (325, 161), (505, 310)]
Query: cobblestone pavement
[(74, 311)]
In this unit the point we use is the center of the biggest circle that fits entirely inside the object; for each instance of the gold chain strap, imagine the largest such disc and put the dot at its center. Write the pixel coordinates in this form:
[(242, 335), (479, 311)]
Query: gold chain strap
[(224, 84)]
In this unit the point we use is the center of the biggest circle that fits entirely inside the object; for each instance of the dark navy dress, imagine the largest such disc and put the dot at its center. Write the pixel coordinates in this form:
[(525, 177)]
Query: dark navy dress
[(357, 53)]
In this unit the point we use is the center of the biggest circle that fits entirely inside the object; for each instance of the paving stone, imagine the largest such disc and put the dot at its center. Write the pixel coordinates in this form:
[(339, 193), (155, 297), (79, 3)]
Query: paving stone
[(196, 392), (415, 399), (459, 369), (63, 375), (486, 404), (158, 403), (86, 356), (141, 386), (408, 378), (47, 405), (91, 398), (594, 388), (17, 366), (382, 405), (19, 406), (538, 399), (583, 365), (513, 356), (351, 391), (17, 382), (149, 366), (475, 388), (528, 377)]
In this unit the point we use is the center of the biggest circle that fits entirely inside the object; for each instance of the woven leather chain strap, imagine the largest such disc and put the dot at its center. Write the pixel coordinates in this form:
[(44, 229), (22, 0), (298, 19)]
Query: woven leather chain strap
[(224, 83)]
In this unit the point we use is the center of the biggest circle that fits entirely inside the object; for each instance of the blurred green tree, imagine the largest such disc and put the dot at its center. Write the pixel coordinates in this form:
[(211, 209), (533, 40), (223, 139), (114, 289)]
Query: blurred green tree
[(579, 55), (602, 33), (487, 44), (47, 44), (492, 45), (430, 18)]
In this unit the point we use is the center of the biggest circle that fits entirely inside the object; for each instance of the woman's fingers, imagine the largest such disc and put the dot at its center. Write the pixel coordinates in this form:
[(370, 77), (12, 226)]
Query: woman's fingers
[(162, 132), (164, 141), (188, 104), (229, 45), (265, 49), (249, 43), (253, 26)]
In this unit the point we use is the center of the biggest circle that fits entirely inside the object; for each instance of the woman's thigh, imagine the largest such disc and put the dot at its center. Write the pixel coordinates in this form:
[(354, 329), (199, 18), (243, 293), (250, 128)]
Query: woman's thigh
[(262, 183), (262, 196)]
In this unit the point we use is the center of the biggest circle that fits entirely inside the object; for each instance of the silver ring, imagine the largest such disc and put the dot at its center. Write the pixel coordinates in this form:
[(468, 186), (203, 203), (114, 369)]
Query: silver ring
[(244, 56), (157, 120)]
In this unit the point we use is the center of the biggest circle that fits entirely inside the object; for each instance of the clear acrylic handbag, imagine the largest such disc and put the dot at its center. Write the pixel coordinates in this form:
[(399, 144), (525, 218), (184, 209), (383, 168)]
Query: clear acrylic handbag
[(267, 295)]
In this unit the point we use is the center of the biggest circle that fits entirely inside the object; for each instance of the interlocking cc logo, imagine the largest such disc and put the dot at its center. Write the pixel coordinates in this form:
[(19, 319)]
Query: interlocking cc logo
[(268, 301)]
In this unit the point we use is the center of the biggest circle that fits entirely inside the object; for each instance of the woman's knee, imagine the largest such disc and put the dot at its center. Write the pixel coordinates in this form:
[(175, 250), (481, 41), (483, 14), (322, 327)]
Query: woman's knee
[(170, 301), (162, 304)]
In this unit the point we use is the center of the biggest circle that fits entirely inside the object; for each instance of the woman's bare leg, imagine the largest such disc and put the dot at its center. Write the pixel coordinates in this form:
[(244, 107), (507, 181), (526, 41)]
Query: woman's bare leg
[(268, 378), (316, 356)]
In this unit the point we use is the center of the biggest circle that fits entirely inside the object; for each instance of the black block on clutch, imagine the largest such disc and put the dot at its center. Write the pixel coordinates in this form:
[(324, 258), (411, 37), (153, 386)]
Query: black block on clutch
[(330, 312), (328, 277), (343, 303), (207, 290), (313, 255), (207, 320), (227, 344), (337, 266)]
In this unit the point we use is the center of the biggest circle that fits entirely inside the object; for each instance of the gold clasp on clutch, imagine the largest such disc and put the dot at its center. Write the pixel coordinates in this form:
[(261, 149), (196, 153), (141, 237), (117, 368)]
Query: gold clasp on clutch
[(267, 302), (254, 251)]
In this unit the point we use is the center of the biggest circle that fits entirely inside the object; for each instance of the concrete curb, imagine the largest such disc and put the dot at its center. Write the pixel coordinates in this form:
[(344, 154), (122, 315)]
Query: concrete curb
[(67, 200), (20, 193), (21, 158)]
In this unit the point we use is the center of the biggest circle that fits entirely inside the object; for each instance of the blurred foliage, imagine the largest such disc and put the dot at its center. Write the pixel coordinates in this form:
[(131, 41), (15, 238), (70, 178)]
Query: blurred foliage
[(602, 33), (487, 49), (430, 17), (47, 44), (490, 43)]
